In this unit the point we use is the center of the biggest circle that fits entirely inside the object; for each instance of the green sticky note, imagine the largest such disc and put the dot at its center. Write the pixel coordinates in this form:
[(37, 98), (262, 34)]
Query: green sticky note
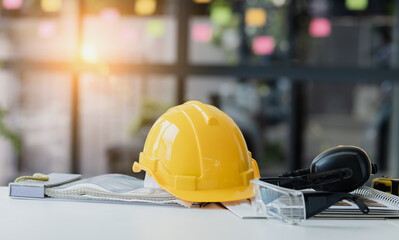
[(155, 28), (221, 13), (356, 5)]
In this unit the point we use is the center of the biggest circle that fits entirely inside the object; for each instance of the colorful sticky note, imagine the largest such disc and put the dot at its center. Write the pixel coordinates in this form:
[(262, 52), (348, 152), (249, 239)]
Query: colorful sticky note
[(47, 29), (51, 5), (12, 4), (202, 1), (129, 34), (356, 5), (155, 28), (320, 27), (221, 13), (201, 33), (231, 39), (263, 45), (255, 17), (145, 7), (279, 3), (110, 15)]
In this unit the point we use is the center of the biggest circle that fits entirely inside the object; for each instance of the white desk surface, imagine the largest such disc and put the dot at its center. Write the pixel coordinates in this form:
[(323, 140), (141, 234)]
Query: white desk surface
[(44, 219)]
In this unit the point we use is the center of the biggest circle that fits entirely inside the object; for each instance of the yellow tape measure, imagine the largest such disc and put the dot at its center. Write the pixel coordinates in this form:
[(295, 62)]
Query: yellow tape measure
[(36, 176), (386, 184)]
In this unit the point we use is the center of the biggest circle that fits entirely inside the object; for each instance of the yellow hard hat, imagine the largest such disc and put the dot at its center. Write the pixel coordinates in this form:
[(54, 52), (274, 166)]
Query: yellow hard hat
[(197, 153)]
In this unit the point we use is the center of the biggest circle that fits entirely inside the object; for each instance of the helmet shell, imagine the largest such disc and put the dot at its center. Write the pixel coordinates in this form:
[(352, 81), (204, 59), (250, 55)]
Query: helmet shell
[(197, 153)]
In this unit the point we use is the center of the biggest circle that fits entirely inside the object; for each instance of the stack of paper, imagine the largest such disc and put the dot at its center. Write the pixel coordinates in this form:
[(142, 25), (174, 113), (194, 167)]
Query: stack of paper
[(108, 187)]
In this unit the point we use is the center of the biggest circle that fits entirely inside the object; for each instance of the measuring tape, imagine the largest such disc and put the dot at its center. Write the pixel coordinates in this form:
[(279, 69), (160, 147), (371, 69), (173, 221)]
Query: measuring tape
[(36, 176), (386, 184)]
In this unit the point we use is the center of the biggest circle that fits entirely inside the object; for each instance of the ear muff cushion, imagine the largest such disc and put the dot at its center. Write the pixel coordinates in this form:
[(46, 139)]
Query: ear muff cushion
[(353, 158)]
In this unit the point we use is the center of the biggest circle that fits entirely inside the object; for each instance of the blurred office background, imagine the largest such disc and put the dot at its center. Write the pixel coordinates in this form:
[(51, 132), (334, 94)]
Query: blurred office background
[(81, 81)]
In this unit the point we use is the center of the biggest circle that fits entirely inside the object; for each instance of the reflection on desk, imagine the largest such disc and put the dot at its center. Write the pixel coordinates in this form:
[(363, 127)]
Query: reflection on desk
[(49, 219)]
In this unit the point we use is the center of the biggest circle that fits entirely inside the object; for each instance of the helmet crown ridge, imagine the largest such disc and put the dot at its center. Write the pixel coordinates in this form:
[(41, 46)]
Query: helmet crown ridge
[(205, 112)]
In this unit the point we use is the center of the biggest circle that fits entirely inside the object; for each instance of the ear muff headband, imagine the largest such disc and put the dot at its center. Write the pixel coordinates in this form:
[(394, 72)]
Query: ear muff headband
[(340, 147)]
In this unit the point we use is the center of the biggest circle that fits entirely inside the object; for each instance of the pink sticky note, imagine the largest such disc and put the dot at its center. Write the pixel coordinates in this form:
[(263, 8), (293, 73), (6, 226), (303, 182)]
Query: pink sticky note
[(12, 4), (129, 34), (263, 45), (110, 15), (320, 27), (201, 33), (47, 29)]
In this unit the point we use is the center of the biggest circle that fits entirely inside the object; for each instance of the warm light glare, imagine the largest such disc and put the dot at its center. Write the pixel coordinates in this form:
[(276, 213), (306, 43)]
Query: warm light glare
[(255, 17), (221, 14), (155, 28), (202, 1), (12, 4), (356, 5), (51, 5), (110, 15), (145, 7), (89, 54), (103, 69), (201, 33), (320, 27), (47, 29), (263, 45)]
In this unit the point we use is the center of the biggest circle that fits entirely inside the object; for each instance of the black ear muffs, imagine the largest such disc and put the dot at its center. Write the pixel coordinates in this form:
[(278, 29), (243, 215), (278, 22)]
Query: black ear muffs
[(341, 157), (340, 169), (334, 173)]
